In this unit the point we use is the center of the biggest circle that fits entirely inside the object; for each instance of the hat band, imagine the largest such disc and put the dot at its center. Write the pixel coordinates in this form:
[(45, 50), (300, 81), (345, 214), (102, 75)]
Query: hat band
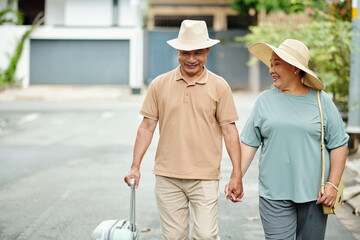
[(295, 54), (190, 41)]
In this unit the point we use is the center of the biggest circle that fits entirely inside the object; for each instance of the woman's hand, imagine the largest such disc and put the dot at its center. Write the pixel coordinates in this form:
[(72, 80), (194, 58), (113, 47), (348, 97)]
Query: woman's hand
[(234, 196), (329, 197)]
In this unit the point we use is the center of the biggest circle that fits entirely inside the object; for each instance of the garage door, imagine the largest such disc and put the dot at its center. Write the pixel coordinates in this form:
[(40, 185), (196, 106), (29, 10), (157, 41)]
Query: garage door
[(79, 62)]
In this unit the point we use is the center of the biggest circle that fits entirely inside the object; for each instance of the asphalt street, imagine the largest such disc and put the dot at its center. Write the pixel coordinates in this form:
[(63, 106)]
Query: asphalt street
[(62, 165)]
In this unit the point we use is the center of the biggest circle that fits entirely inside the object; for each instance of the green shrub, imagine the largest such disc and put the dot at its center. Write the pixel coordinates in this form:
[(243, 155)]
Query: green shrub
[(8, 76), (11, 16)]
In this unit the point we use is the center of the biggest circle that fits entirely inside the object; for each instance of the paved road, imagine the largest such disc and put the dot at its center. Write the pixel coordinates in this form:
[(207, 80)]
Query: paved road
[(62, 164)]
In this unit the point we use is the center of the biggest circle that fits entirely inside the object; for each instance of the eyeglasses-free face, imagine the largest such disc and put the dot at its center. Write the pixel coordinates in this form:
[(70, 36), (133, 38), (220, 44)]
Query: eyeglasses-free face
[(192, 62)]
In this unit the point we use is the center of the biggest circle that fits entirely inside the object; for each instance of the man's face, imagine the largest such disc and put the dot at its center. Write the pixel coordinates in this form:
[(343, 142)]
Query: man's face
[(192, 62)]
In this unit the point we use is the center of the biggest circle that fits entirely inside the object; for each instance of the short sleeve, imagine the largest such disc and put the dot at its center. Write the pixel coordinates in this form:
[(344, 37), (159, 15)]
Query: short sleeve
[(335, 135), (150, 105), (251, 133), (226, 110)]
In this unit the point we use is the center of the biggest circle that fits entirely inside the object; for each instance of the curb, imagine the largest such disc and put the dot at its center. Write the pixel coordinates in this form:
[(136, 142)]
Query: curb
[(351, 178)]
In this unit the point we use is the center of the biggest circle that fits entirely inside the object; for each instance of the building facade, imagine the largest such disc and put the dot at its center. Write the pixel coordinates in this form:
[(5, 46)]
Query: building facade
[(82, 42), (123, 42), (218, 14)]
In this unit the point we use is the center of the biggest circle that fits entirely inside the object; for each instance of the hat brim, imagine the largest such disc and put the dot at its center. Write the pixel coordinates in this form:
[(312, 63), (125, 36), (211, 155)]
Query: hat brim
[(175, 43), (263, 52)]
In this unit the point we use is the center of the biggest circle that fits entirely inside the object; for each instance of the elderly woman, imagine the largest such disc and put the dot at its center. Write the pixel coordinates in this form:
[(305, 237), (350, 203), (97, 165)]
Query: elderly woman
[(285, 122)]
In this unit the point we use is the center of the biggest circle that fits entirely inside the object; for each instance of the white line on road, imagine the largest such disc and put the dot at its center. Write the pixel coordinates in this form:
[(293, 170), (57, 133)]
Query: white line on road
[(107, 115), (29, 118)]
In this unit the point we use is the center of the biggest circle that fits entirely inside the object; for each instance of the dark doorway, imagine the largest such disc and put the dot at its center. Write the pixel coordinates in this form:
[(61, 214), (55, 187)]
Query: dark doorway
[(30, 9)]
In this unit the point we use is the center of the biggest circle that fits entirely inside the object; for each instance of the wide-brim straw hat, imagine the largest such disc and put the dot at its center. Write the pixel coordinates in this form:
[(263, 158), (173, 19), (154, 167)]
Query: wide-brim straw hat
[(193, 35), (291, 51)]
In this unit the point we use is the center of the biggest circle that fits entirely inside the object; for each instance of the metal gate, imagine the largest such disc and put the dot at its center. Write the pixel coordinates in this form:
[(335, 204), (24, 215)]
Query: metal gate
[(79, 62)]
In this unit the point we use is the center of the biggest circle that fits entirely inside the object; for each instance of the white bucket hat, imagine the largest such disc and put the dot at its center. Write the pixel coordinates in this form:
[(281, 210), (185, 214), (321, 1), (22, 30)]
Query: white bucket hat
[(291, 51), (193, 35)]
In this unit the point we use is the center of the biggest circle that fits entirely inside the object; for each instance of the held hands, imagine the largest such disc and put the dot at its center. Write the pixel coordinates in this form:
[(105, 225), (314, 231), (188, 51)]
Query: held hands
[(329, 197), (134, 173), (234, 189)]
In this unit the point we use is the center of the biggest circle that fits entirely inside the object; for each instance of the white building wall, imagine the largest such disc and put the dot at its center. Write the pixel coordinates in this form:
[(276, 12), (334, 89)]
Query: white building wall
[(88, 13), (130, 13), (55, 12), (92, 13)]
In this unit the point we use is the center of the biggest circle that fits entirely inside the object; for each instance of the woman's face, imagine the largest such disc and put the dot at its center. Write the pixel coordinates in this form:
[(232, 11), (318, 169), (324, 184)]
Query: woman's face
[(282, 73)]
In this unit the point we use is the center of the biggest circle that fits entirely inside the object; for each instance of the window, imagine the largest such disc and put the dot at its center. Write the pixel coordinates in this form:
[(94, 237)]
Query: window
[(238, 22), (175, 21)]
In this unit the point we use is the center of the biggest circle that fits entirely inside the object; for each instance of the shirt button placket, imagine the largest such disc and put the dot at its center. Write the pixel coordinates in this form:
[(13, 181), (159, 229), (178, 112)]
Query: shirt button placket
[(187, 95)]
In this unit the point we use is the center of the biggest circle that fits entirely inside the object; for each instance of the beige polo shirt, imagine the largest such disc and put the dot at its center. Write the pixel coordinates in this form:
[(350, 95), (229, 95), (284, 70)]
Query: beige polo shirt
[(190, 116)]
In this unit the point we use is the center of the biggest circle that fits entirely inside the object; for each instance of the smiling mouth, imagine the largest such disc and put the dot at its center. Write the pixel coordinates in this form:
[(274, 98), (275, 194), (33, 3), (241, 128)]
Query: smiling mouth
[(275, 78), (191, 65)]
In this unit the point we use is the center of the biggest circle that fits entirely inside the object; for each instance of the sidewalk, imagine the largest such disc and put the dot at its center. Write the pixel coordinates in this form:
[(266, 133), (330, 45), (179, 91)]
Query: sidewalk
[(67, 93), (351, 180), (349, 214)]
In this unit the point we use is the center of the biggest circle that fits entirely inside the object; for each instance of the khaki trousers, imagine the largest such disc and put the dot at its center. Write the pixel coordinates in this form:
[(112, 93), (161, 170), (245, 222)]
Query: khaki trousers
[(174, 196)]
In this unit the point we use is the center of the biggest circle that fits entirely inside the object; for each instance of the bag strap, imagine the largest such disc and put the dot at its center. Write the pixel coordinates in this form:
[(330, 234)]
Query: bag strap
[(322, 146)]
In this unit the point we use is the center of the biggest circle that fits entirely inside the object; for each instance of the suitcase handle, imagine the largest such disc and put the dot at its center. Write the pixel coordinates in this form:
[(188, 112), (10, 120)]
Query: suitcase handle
[(132, 205)]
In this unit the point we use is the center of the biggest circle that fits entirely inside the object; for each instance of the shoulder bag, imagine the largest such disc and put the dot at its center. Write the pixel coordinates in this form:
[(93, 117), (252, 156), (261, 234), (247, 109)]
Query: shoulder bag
[(339, 196)]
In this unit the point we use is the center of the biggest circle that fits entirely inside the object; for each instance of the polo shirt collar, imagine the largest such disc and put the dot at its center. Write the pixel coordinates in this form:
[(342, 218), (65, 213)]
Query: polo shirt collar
[(202, 79)]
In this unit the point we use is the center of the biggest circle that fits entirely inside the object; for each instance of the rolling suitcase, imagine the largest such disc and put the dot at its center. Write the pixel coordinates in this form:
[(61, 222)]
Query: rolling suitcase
[(119, 229)]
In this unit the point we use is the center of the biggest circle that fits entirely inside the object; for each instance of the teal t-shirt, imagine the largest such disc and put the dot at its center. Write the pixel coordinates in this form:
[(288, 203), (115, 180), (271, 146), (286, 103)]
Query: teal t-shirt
[(288, 129)]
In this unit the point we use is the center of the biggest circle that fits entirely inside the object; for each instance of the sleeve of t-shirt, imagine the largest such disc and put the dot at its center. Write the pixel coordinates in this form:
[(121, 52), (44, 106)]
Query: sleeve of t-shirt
[(149, 108), (251, 133), (226, 110), (335, 135)]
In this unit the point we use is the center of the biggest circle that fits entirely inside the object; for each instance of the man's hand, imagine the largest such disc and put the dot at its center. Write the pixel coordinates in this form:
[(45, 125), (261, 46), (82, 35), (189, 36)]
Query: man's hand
[(234, 189), (134, 173), (143, 139)]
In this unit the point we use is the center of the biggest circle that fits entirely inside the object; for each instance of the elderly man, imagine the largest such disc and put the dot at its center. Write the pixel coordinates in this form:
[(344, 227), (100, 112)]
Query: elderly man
[(195, 109)]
